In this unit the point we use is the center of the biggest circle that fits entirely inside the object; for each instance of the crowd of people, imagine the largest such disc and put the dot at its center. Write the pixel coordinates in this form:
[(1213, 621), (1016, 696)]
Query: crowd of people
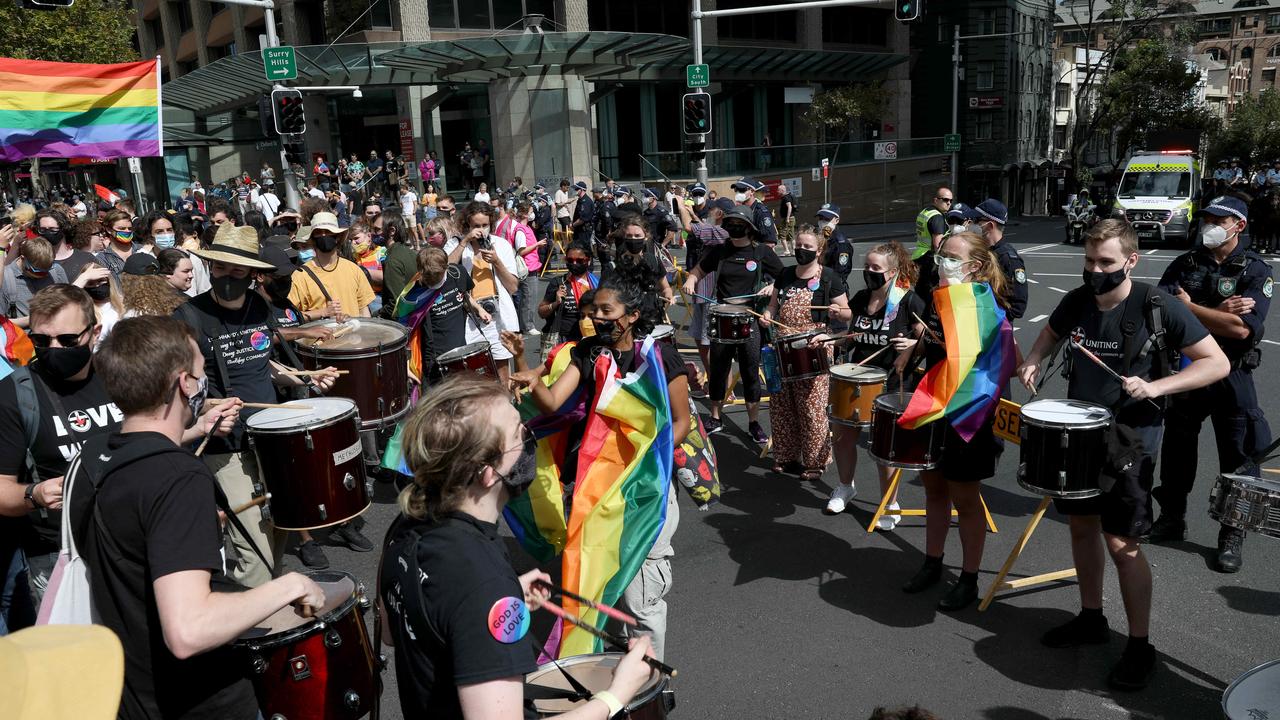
[(216, 292)]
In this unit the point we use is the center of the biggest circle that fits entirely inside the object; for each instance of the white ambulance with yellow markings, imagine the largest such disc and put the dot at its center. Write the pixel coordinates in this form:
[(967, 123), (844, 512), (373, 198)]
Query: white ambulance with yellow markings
[(1158, 193)]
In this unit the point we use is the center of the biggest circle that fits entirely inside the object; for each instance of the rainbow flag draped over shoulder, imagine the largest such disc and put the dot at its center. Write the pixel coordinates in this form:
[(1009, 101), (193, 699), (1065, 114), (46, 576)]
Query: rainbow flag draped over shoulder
[(15, 347), (411, 310), (65, 110), (980, 358)]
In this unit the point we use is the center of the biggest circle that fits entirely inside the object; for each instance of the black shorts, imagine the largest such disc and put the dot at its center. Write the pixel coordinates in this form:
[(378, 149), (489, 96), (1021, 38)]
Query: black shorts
[(971, 461), (1125, 509)]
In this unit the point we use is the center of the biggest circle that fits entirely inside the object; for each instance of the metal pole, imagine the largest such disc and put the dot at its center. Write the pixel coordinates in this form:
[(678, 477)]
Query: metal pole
[(292, 198), (955, 102), (700, 169)]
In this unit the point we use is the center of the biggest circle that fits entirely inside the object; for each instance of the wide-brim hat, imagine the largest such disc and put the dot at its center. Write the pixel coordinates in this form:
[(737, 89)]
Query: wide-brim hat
[(326, 221), (235, 245), (61, 672)]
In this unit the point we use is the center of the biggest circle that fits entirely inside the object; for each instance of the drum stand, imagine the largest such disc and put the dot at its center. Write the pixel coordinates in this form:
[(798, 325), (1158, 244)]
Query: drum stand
[(557, 244), (913, 512), (1000, 584)]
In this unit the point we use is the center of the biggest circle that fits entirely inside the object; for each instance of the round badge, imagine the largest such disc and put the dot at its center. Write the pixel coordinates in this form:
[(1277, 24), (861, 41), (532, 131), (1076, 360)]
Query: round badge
[(259, 341), (1020, 276), (814, 283), (752, 265), (508, 620), (1267, 287)]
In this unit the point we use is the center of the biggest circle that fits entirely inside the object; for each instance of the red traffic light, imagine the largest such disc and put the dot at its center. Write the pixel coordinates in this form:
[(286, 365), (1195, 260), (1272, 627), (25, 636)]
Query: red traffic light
[(287, 110)]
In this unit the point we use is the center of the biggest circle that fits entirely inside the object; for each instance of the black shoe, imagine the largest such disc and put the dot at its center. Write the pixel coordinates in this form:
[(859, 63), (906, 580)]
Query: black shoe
[(1133, 670), (312, 555), (1079, 630), (928, 576), (1230, 549), (712, 425), (1167, 528), (351, 537), (757, 433), (960, 596)]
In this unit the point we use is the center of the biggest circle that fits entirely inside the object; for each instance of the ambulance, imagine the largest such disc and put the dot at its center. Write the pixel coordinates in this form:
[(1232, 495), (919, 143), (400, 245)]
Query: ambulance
[(1158, 194)]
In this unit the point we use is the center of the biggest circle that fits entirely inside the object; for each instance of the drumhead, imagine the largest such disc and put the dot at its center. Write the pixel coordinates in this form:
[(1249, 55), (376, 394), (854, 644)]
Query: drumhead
[(1255, 694), (339, 595), (863, 375), (1261, 483), (311, 413), (783, 339), (729, 310), (662, 331), (465, 351), (894, 402), (595, 672), (1065, 413), (368, 334)]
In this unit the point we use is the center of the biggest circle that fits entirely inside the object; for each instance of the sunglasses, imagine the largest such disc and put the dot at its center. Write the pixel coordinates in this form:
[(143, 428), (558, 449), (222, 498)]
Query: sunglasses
[(65, 340), (942, 199)]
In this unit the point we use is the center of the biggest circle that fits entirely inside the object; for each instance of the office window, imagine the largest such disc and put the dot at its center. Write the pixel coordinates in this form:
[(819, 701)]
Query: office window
[(984, 126), (483, 14), (1273, 22), (1060, 136), (986, 21), (1269, 76), (855, 26), (769, 27), (442, 14), (668, 17), (380, 15), (1246, 53), (986, 76), (1073, 37), (156, 31), (1062, 96)]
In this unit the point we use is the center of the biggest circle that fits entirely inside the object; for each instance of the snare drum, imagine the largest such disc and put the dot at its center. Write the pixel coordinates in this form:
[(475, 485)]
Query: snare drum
[(797, 359), (1246, 503), (552, 694), (1254, 695), (853, 391), (1063, 447), (664, 334), (474, 358), (729, 324), (895, 446), (312, 463), (376, 354), (320, 668)]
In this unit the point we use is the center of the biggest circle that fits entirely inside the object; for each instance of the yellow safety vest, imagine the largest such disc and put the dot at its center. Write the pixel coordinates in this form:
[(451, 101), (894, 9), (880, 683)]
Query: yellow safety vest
[(924, 241)]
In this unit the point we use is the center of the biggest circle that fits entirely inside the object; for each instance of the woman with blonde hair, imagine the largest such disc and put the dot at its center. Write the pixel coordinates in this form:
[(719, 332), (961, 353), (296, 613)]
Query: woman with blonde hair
[(438, 231), (108, 301)]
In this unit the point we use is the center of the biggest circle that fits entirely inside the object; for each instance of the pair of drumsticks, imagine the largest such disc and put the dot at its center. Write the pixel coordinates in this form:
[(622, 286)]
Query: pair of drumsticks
[(617, 642)]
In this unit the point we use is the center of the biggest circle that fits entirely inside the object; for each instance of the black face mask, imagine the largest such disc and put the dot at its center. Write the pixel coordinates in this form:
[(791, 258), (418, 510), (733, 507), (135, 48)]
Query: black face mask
[(873, 280), (53, 235), (229, 288), (736, 231), (1102, 283), (60, 363), (99, 293), (278, 288), (606, 330), (633, 246), (522, 474), (804, 256), (326, 243), (578, 268)]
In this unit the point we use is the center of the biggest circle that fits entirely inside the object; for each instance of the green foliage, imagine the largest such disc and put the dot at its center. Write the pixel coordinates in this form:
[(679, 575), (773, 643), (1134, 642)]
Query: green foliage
[(1150, 88), (90, 31), (1252, 132), (836, 109)]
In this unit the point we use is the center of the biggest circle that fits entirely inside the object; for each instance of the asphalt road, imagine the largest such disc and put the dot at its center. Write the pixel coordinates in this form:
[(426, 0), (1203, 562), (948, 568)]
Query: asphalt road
[(779, 611)]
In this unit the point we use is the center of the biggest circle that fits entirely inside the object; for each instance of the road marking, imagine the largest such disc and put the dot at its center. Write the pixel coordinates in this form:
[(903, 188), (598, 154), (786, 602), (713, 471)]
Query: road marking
[(1151, 252), (1081, 254), (1056, 289), (1040, 247), (1076, 275), (1033, 282), (1271, 342), (1038, 318)]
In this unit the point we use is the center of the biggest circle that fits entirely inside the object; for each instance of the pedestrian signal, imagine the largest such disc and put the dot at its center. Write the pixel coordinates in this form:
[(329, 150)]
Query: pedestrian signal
[(697, 114), (907, 10), (286, 106)]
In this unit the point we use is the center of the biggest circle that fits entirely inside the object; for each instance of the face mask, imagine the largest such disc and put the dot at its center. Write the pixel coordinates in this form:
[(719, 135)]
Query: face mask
[(700, 200), (740, 198), (436, 241), (124, 237), (362, 248), (164, 241), (53, 235), (521, 475), (279, 287), (804, 256), (974, 228), (874, 280), (306, 256), (325, 243), (61, 363), (736, 231), (379, 239), (229, 288), (99, 293), (1212, 236), (577, 268), (1102, 283), (606, 330), (633, 246), (950, 270), (195, 402)]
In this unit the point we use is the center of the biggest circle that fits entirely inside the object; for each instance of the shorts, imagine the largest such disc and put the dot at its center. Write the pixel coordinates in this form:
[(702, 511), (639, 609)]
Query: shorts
[(698, 324), (971, 461), (1125, 509), (410, 221)]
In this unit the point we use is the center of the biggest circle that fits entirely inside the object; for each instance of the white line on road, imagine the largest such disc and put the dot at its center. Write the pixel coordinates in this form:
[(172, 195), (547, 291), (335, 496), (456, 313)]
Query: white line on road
[(1038, 318), (1271, 342), (1081, 254), (1057, 289), (1151, 252), (1033, 282), (1040, 247), (1076, 275)]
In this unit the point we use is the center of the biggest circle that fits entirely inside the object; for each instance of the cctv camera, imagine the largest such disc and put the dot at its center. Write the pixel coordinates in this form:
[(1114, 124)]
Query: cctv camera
[(357, 94)]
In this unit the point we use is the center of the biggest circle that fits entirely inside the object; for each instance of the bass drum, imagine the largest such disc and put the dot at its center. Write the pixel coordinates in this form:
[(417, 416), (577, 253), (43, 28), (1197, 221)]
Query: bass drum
[(376, 355)]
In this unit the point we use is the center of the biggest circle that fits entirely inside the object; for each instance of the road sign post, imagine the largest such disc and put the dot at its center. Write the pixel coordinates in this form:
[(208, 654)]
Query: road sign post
[(280, 63), (697, 76), (951, 142)]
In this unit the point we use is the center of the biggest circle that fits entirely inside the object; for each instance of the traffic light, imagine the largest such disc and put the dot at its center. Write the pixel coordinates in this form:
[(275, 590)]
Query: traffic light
[(697, 113), (286, 106), (265, 116), (295, 152), (907, 10), (697, 150)]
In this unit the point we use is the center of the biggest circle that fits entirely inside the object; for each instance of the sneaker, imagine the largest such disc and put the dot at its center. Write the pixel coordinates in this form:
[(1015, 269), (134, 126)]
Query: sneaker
[(1167, 528), (1079, 630), (312, 555), (1230, 547), (839, 497), (534, 332), (757, 433), (351, 537), (959, 596), (712, 425), (890, 520), (928, 575), (1133, 670)]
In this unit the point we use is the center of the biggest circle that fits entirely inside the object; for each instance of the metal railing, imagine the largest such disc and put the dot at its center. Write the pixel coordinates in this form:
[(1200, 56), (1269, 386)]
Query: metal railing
[(777, 158)]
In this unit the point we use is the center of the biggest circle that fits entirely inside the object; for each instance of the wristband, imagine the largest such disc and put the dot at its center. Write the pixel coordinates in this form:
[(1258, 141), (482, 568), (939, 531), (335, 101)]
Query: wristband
[(608, 698)]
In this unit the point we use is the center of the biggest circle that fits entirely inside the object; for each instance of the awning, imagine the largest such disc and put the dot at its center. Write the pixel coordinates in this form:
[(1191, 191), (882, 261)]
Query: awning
[(758, 64), (179, 138)]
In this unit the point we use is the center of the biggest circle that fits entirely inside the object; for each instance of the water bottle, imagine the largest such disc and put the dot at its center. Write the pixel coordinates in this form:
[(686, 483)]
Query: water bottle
[(772, 375)]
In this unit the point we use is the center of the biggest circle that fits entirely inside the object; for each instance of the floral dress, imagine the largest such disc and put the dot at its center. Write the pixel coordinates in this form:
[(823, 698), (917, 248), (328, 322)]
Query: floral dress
[(798, 414)]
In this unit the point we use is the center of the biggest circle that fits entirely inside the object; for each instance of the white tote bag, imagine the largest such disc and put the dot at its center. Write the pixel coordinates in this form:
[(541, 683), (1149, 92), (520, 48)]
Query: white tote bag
[(68, 599)]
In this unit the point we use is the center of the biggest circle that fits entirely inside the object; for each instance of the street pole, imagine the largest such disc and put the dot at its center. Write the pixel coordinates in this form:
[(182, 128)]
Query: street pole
[(955, 102), (699, 170)]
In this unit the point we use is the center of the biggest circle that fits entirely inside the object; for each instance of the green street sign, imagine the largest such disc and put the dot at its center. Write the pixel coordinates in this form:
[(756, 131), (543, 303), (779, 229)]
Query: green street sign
[(697, 76), (951, 142), (280, 63)]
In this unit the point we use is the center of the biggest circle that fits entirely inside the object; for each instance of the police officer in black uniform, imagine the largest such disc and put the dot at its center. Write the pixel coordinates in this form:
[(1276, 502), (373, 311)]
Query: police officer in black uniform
[(657, 215), (992, 216), (584, 213), (606, 210), (1228, 288), (746, 191), (839, 253)]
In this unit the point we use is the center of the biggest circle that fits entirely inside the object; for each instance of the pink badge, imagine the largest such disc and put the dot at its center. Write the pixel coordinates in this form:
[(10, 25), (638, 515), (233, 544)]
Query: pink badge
[(508, 620)]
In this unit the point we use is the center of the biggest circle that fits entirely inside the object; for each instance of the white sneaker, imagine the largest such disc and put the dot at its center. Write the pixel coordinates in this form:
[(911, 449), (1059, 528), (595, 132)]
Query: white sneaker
[(535, 332), (841, 495), (890, 520)]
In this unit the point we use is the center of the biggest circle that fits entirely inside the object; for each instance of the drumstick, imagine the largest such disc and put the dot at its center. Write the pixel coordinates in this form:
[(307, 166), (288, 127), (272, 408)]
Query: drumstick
[(611, 612), (866, 359), (1273, 471), (205, 441), (268, 406), (311, 372), (932, 334), (252, 503), (610, 638), (833, 338), (337, 333), (1098, 361)]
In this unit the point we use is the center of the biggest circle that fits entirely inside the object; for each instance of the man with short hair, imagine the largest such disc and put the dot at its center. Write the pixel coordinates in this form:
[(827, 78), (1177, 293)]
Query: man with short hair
[(266, 202), (749, 192), (839, 253), (931, 223), (330, 286), (34, 270), (992, 216), (564, 213), (662, 227)]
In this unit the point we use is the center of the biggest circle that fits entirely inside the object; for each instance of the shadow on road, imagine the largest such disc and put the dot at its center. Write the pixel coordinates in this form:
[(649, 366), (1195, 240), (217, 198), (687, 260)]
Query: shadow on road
[(1251, 600)]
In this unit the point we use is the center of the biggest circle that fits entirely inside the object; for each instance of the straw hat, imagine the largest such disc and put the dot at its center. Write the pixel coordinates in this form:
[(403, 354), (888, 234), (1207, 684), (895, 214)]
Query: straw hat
[(61, 672), (236, 246), (326, 221)]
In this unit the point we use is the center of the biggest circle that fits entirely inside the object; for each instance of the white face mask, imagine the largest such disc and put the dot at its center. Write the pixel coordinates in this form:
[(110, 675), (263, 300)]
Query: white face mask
[(950, 271), (699, 199), (1213, 236), (163, 241), (740, 197)]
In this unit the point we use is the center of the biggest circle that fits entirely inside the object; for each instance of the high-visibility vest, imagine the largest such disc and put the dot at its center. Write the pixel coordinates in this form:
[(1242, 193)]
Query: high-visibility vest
[(924, 241)]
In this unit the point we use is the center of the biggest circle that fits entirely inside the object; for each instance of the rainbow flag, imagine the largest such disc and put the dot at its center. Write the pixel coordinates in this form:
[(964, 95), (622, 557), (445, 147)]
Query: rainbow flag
[(896, 293), (15, 347), (966, 386), (65, 110), (412, 308)]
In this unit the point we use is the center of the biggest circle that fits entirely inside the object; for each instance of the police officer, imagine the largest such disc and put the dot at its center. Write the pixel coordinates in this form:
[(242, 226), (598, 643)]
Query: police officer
[(584, 213), (959, 218), (991, 217), (697, 193), (839, 253), (930, 223), (1228, 288), (657, 215), (745, 192)]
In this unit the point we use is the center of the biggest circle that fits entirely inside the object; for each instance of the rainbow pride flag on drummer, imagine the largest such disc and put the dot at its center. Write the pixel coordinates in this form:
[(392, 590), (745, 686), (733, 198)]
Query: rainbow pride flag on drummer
[(65, 110), (980, 360)]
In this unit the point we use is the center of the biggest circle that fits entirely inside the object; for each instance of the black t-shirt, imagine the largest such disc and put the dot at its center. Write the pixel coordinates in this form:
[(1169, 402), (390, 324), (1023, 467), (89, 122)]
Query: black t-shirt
[(644, 270), (447, 329), (466, 574), (825, 286), (938, 224), (158, 517), (876, 333), (1079, 318), (786, 207), (286, 314), (73, 263), (742, 270), (242, 339), (89, 412), (567, 313), (585, 353)]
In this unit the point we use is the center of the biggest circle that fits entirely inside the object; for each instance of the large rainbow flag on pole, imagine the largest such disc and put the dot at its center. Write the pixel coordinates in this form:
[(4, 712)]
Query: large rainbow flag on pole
[(65, 110), (980, 359)]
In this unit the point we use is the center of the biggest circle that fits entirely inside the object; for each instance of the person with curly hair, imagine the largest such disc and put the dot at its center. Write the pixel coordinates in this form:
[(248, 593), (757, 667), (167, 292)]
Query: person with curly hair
[(146, 291)]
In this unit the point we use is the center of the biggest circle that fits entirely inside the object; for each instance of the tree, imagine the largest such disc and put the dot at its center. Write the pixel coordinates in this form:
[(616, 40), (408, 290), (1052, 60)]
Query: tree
[(90, 31), (1252, 132), (833, 112)]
